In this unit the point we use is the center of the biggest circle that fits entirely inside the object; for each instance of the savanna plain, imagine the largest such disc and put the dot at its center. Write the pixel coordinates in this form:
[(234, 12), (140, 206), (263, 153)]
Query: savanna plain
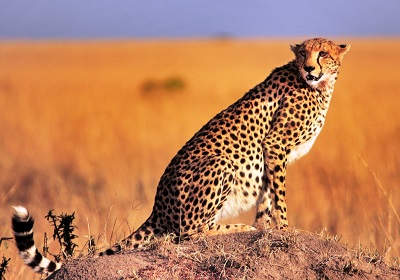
[(89, 127)]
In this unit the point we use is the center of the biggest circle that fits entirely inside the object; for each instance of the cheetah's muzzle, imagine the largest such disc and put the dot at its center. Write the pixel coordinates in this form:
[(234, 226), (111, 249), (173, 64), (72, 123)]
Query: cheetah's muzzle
[(310, 77)]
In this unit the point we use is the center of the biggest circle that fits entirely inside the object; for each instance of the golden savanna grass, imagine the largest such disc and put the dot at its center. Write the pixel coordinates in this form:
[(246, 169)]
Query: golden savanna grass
[(89, 127)]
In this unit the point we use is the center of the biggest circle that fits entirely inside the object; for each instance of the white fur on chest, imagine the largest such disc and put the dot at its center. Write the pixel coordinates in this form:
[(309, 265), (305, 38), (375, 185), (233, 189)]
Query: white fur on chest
[(305, 147), (301, 149)]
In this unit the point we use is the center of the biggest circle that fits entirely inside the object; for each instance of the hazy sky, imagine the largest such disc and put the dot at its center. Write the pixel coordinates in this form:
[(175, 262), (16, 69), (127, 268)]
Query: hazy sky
[(197, 18)]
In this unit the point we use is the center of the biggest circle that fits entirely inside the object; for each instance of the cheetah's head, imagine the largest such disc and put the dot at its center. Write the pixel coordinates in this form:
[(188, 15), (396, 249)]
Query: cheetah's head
[(319, 61)]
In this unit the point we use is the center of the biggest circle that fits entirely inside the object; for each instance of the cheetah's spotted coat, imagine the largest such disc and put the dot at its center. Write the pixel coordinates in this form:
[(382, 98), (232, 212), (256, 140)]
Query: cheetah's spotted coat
[(239, 158)]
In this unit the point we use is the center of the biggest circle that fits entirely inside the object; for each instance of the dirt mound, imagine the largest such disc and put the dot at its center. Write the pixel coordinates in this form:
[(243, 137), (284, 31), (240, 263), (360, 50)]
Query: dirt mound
[(253, 255)]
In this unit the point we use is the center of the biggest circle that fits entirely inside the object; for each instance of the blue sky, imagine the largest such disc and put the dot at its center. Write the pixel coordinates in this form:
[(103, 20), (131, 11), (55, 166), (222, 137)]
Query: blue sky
[(81, 19)]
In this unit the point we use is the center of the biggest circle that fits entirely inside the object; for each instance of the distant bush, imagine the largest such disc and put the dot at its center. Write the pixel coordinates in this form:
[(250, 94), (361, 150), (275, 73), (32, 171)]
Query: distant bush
[(174, 83), (170, 84)]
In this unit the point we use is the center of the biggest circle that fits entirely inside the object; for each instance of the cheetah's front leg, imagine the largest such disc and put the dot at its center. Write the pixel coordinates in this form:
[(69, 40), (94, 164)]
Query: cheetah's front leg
[(272, 201)]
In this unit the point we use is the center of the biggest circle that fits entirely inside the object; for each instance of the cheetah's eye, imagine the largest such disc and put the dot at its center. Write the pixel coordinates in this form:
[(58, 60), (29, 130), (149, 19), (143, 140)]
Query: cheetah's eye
[(302, 53), (323, 54)]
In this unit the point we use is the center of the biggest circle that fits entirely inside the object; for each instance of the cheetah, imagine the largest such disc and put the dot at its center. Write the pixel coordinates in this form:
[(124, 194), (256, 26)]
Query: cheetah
[(236, 161)]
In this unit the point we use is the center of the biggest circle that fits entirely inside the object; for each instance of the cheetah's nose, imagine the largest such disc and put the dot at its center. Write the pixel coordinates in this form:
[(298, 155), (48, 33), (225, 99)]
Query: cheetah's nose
[(309, 68)]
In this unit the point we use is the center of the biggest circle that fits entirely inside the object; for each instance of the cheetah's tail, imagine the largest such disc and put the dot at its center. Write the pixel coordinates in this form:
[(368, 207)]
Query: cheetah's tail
[(22, 225), (137, 239)]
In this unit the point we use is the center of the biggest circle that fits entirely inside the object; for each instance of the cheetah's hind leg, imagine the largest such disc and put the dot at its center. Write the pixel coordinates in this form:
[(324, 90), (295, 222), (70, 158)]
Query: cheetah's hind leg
[(216, 229), (215, 192)]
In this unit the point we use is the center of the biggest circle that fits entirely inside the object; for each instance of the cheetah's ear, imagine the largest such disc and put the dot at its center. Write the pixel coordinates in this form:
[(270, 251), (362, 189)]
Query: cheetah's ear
[(343, 49), (295, 47)]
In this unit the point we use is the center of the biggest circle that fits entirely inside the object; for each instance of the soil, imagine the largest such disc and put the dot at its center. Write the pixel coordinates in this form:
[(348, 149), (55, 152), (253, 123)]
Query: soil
[(271, 254)]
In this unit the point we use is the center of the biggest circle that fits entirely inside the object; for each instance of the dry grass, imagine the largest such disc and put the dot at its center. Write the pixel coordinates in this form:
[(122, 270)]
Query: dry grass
[(270, 254), (81, 133)]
